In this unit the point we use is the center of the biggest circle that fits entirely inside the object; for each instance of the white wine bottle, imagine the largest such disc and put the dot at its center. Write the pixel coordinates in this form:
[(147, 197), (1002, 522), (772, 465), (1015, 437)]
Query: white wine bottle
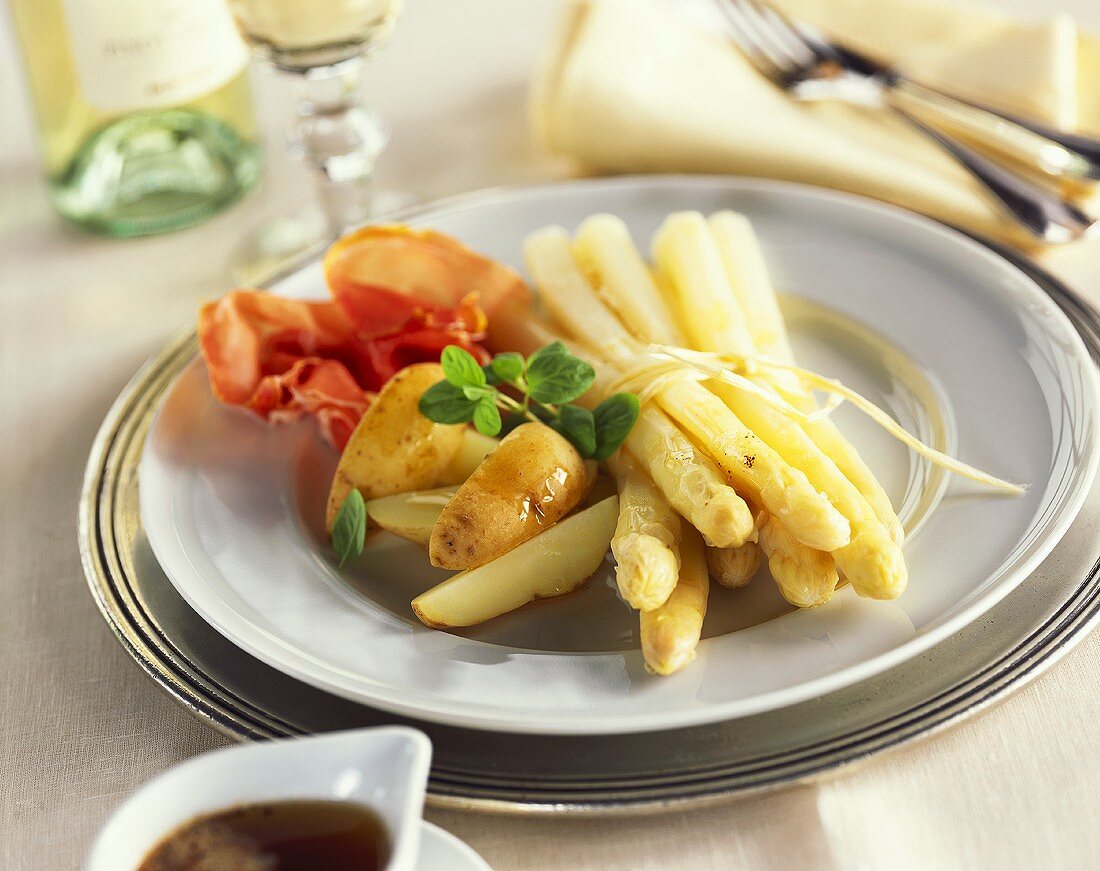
[(143, 109)]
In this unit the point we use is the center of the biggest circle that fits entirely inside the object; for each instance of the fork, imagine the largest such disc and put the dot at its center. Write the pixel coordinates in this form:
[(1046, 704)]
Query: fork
[(806, 65)]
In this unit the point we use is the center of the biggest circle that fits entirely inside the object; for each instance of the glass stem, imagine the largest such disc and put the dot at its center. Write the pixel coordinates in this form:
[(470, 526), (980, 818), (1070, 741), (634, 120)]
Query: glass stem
[(339, 139)]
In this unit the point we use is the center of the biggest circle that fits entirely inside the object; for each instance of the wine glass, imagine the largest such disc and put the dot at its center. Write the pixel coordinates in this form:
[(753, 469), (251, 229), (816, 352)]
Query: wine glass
[(324, 43)]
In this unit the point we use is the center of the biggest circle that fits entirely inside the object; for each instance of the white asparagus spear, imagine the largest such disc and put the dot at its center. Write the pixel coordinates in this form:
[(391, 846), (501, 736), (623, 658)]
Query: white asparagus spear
[(805, 577), (647, 536), (670, 634), (689, 257), (690, 480), (870, 560), (752, 466), (734, 566), (747, 273), (608, 254)]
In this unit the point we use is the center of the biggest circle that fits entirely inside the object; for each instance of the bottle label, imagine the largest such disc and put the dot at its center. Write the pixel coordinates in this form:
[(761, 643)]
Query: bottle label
[(149, 54)]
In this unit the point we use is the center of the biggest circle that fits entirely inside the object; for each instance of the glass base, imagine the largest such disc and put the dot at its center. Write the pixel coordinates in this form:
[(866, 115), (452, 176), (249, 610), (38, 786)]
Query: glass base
[(278, 245), (286, 242), (155, 172)]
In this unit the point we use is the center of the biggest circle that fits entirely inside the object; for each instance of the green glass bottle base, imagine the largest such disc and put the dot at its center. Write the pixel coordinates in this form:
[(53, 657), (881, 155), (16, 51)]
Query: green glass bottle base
[(155, 172)]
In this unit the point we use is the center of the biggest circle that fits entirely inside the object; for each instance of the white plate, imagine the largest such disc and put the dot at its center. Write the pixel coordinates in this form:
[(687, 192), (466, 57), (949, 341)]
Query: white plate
[(958, 344)]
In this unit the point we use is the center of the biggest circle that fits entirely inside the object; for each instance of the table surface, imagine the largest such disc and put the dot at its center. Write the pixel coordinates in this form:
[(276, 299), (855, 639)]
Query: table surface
[(81, 726)]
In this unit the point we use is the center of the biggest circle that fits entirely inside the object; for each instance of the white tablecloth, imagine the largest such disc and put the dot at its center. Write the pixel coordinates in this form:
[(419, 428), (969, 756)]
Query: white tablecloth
[(80, 726)]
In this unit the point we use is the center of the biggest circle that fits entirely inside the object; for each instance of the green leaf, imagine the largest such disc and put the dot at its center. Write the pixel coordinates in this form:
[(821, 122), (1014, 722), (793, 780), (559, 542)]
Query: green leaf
[(446, 403), (579, 426), (558, 376), (349, 530), (460, 368), (550, 350), (508, 366), (475, 394), (491, 377), (487, 417), (614, 418)]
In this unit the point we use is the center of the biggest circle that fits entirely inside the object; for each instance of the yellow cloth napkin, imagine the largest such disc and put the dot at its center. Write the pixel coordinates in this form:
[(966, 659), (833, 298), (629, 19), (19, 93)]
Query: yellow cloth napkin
[(652, 86)]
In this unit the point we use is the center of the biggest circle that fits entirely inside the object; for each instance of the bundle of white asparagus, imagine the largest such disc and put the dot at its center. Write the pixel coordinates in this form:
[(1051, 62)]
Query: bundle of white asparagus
[(729, 461)]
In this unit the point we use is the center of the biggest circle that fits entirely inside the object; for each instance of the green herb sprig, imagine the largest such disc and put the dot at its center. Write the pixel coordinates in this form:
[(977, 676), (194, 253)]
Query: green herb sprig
[(349, 530), (548, 381)]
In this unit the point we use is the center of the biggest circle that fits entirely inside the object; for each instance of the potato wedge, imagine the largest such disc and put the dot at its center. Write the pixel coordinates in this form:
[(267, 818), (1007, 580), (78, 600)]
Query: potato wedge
[(475, 447), (532, 479), (410, 515), (553, 563), (395, 448)]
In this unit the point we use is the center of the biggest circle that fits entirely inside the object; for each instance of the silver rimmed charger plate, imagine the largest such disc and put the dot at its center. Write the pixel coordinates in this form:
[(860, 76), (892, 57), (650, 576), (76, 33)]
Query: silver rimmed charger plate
[(493, 770)]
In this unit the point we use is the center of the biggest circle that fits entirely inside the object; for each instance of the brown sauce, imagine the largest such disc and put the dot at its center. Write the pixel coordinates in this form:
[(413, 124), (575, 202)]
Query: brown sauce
[(277, 836)]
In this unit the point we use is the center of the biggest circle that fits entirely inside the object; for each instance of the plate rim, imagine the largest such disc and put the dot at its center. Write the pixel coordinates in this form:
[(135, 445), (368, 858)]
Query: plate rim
[(454, 714)]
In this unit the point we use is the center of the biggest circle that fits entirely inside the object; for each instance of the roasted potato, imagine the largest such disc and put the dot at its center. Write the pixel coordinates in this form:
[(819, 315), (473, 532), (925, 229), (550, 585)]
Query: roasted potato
[(395, 448), (532, 479), (410, 515), (552, 563)]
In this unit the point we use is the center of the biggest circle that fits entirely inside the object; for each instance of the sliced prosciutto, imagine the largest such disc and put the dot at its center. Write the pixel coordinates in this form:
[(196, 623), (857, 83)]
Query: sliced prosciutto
[(398, 297)]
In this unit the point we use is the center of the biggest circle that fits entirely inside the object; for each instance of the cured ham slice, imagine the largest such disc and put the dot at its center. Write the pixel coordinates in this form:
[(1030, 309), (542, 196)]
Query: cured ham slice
[(398, 297), (415, 268)]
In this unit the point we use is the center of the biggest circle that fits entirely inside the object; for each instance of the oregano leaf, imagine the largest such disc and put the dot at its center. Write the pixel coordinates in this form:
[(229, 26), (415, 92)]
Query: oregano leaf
[(460, 368), (579, 426), (487, 417), (446, 403), (614, 418), (558, 377), (349, 530), (508, 366)]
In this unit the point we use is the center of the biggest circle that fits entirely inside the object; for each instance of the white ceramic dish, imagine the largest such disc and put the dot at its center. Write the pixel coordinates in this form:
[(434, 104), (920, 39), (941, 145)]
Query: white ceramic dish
[(955, 342), (385, 769), (439, 849)]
